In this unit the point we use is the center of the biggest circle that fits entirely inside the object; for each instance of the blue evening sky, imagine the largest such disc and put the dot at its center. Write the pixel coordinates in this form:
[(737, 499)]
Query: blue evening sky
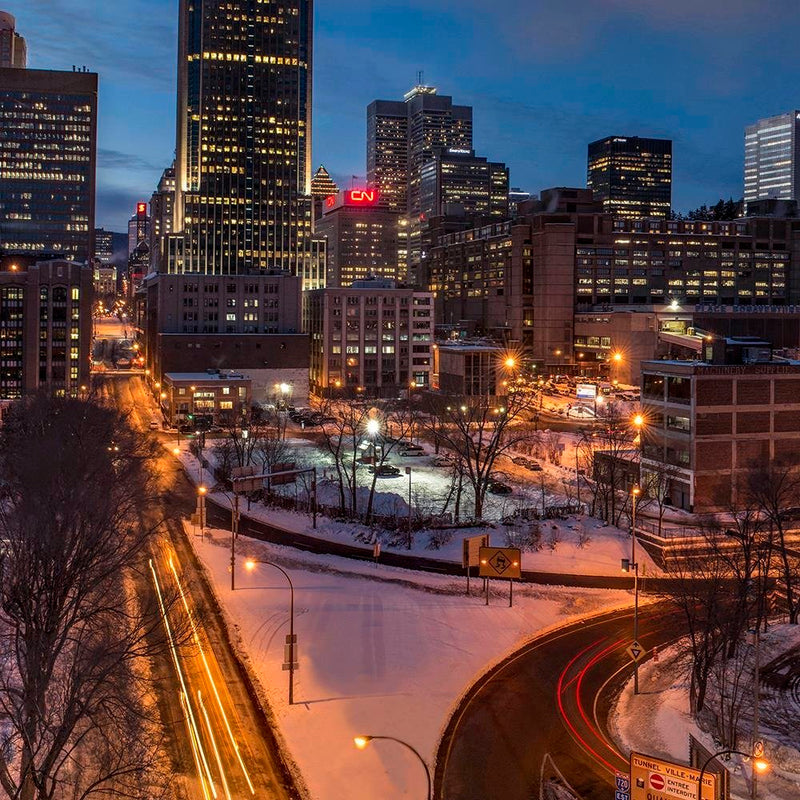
[(545, 77)]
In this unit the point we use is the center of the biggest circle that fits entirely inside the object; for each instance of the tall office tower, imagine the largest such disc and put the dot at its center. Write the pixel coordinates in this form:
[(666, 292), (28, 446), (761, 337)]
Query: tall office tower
[(464, 183), (401, 138), (322, 187), (13, 51), (138, 227), (772, 158), (162, 213), (632, 176), (48, 137), (243, 165), (103, 245), (362, 238)]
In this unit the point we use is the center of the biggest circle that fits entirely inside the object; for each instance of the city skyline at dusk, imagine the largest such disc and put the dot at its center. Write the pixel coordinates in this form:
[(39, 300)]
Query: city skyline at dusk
[(543, 83)]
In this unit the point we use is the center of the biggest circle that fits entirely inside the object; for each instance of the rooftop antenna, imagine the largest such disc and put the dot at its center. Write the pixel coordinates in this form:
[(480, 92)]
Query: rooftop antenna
[(420, 77)]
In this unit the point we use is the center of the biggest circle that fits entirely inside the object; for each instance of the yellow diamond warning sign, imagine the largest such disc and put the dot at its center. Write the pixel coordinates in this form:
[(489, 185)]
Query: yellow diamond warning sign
[(500, 562)]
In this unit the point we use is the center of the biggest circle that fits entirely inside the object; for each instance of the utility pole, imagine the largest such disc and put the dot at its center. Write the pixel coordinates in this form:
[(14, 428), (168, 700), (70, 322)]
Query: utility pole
[(756, 702), (234, 534)]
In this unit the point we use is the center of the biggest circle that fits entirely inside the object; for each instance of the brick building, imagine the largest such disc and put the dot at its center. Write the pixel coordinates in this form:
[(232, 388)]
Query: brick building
[(373, 337), (709, 425), (211, 398), (527, 281), (244, 323)]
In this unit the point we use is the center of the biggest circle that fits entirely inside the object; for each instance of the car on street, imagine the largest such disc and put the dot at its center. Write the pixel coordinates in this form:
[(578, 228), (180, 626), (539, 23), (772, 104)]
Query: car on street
[(410, 446), (442, 461), (407, 453), (498, 487)]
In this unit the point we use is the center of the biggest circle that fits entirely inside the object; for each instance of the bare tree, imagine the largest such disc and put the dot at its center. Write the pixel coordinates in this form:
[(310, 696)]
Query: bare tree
[(700, 590), (775, 489), (72, 638), (478, 433)]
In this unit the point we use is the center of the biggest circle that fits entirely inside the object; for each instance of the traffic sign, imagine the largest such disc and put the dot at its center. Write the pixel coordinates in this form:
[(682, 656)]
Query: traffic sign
[(635, 651), (656, 779), (500, 562), (470, 556)]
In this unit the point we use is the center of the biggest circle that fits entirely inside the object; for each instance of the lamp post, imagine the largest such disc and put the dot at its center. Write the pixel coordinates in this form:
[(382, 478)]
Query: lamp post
[(373, 429), (291, 641), (408, 541), (759, 766), (627, 565), (361, 743)]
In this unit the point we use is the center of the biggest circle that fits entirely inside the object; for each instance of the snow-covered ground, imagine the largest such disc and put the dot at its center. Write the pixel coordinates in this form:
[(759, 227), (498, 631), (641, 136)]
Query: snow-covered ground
[(578, 545), (382, 652), (657, 722)]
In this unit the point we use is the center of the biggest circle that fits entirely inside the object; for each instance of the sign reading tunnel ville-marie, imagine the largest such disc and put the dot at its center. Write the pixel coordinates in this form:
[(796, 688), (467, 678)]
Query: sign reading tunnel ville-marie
[(657, 779)]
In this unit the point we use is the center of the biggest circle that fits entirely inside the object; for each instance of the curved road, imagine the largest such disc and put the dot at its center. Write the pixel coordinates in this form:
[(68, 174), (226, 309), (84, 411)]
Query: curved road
[(541, 715)]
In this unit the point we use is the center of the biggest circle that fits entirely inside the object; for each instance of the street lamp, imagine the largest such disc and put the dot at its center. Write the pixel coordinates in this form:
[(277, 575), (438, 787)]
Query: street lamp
[(373, 429), (760, 765), (362, 741), (627, 564), (291, 641)]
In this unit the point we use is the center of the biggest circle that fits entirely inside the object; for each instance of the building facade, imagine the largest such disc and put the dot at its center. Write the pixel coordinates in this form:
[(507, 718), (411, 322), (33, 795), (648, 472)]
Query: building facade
[(401, 137), (45, 328), (162, 215), (709, 426), (457, 179), (103, 245), (322, 187), (371, 338), (632, 176), (530, 280), (243, 155), (13, 50), (362, 238), (772, 159), (48, 142), (205, 398), (247, 323)]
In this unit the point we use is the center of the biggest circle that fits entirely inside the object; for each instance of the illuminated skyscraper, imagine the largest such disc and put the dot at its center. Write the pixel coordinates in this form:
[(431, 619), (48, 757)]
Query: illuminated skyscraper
[(632, 176), (401, 138), (13, 51), (243, 166), (322, 187), (772, 158), (48, 136)]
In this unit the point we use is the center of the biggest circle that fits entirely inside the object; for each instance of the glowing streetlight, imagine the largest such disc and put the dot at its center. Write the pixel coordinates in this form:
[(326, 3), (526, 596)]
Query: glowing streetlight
[(176, 451), (373, 426), (617, 357), (638, 420), (510, 362), (201, 490), (362, 741)]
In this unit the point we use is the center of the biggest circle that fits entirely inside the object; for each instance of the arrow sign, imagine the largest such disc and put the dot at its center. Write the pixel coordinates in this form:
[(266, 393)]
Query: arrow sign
[(635, 651)]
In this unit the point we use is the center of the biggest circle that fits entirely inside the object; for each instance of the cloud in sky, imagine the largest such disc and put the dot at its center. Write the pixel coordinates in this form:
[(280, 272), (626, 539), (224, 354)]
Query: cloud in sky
[(544, 77)]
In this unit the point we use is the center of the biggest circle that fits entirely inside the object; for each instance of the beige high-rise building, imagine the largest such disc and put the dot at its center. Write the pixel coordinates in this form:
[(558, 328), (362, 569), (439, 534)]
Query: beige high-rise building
[(13, 50)]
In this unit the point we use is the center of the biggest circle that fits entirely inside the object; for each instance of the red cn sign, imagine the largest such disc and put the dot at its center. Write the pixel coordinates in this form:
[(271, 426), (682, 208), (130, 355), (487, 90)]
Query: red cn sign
[(330, 201), (361, 197)]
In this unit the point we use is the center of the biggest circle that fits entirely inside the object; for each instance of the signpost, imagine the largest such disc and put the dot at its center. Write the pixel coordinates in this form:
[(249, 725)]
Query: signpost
[(635, 651), (657, 779), (470, 556), (622, 786), (501, 562)]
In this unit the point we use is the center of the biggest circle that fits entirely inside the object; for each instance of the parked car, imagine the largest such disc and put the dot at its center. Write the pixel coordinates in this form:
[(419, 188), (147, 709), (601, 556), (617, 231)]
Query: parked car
[(410, 446), (496, 487), (386, 471), (520, 461), (411, 453), (534, 466), (154, 426), (442, 461)]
